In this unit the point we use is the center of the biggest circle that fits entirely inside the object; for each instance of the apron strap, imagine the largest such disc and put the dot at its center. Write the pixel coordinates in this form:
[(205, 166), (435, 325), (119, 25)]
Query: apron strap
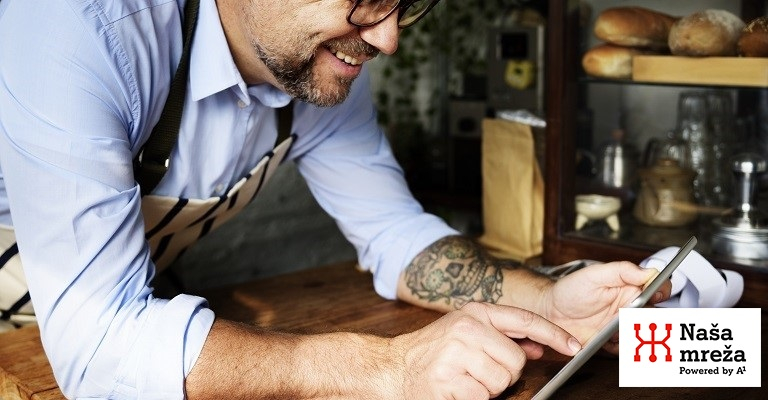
[(151, 163), (284, 122)]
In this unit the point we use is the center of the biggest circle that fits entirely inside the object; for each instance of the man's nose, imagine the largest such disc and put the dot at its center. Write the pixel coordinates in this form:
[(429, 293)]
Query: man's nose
[(384, 35)]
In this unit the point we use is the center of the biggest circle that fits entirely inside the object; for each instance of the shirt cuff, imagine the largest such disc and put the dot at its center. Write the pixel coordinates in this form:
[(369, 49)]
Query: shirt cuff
[(402, 251), (166, 350)]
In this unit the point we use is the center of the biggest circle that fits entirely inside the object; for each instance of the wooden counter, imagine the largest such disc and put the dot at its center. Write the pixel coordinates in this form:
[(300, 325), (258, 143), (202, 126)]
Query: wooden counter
[(24, 370), (338, 297)]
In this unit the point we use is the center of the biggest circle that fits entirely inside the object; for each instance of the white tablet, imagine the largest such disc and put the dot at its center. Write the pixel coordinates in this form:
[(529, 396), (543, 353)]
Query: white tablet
[(597, 342)]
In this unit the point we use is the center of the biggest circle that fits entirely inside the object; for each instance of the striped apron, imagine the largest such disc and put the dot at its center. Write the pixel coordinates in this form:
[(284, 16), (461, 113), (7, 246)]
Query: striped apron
[(172, 225)]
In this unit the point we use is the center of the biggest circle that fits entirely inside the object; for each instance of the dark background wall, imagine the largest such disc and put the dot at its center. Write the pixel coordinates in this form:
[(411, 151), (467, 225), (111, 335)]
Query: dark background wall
[(282, 230)]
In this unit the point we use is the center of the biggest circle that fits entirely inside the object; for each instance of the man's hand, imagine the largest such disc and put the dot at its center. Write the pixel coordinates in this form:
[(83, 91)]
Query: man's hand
[(456, 270), (586, 300), (468, 353)]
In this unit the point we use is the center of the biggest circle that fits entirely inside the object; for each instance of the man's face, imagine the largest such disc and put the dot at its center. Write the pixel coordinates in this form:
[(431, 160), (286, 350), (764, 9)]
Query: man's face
[(309, 48)]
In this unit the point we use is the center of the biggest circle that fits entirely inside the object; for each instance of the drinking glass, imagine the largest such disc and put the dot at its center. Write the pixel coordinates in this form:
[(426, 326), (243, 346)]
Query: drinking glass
[(722, 122), (694, 127)]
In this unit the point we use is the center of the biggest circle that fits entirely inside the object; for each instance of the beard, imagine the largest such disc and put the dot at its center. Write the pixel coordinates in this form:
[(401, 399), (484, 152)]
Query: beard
[(299, 79)]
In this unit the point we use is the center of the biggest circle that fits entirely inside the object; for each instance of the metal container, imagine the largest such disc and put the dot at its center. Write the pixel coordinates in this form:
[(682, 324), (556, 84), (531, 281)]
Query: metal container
[(743, 233), (618, 163)]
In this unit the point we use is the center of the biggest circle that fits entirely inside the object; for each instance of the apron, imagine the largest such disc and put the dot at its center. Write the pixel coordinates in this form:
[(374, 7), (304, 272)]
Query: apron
[(172, 225)]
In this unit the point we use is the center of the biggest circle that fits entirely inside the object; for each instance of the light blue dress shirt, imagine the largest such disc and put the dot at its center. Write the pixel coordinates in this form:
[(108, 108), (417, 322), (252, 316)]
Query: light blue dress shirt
[(82, 83)]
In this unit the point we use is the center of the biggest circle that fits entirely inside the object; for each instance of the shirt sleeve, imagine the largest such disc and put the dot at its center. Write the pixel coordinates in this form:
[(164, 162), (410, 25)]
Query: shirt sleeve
[(354, 176), (70, 107)]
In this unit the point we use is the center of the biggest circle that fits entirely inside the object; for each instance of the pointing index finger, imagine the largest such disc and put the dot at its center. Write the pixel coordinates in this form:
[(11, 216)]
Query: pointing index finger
[(518, 323)]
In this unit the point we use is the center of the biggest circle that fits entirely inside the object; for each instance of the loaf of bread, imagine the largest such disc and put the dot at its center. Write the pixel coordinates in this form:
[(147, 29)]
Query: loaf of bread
[(634, 27), (609, 61), (706, 33), (753, 41)]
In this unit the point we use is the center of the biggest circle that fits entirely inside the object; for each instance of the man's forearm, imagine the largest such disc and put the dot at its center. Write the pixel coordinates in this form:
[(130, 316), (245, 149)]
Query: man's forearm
[(240, 361), (456, 270)]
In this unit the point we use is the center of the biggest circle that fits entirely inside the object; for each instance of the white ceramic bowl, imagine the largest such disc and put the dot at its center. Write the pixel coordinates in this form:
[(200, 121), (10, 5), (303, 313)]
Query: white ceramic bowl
[(596, 206)]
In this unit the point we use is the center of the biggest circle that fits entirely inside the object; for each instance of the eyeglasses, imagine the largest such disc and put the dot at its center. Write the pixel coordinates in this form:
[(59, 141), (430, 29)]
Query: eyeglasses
[(370, 12)]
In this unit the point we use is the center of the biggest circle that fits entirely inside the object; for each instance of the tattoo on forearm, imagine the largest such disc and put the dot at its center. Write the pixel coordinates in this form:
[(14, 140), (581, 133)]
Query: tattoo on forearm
[(456, 270)]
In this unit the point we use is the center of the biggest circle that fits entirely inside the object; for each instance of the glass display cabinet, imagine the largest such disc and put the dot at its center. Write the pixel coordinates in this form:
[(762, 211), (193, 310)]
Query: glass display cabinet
[(587, 116)]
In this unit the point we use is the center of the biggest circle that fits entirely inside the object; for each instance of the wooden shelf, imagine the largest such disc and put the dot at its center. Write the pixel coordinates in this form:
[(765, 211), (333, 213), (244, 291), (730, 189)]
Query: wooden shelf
[(711, 71)]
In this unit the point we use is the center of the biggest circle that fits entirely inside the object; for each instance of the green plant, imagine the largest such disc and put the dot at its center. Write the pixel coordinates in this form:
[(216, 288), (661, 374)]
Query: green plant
[(432, 58)]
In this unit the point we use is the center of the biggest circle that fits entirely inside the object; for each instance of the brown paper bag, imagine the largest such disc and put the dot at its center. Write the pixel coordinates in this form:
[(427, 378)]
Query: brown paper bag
[(513, 191)]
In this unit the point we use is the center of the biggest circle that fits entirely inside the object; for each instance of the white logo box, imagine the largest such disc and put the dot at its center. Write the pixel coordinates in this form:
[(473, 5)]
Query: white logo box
[(705, 347)]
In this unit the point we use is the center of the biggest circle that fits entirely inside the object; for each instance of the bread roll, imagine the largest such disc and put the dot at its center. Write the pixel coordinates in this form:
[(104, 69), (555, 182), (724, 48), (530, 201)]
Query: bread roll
[(634, 26), (706, 33), (753, 41), (609, 61)]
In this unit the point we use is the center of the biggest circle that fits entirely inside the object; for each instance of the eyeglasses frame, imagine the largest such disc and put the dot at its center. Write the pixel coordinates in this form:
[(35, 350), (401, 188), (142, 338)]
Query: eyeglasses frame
[(401, 5)]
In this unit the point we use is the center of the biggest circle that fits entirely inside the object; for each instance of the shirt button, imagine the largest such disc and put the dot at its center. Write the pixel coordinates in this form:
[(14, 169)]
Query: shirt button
[(219, 188), (241, 104)]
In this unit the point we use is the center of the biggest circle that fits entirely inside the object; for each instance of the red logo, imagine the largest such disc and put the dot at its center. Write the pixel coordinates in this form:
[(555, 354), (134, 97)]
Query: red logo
[(653, 342)]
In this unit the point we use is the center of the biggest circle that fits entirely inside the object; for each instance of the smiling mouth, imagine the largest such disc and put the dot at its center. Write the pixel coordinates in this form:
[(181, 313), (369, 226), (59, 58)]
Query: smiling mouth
[(345, 57)]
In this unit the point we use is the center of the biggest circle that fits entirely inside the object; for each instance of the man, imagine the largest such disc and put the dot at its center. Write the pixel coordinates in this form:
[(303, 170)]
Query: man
[(83, 83)]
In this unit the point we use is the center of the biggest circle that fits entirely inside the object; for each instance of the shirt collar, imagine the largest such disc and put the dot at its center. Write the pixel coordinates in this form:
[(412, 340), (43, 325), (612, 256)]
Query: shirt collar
[(212, 68)]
